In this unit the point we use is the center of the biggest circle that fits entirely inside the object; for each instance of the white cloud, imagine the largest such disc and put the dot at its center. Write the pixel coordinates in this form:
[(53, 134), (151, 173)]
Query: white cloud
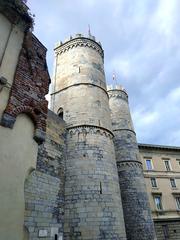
[(141, 43), (174, 96), (163, 18)]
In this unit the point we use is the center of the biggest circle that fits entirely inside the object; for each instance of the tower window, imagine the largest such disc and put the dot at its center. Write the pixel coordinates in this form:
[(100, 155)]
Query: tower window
[(60, 113), (173, 182), (153, 182), (178, 161), (100, 190)]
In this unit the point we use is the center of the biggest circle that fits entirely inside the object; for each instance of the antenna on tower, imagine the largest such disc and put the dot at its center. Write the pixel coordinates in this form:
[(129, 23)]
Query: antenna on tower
[(89, 30), (114, 78)]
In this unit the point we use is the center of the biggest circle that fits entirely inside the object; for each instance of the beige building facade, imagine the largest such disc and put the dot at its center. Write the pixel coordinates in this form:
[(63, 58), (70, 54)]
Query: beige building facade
[(161, 166), (15, 144)]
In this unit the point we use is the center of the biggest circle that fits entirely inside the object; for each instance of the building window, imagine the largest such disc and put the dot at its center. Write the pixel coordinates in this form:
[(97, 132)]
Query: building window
[(149, 164), (153, 182), (158, 202), (178, 161), (165, 231), (178, 202), (167, 165), (173, 182)]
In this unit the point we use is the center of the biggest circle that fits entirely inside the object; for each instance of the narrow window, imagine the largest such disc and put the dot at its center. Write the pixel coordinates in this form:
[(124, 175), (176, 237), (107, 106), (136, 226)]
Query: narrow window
[(153, 182), (60, 113), (149, 164), (178, 202), (167, 165), (165, 231), (173, 182), (100, 190), (158, 202)]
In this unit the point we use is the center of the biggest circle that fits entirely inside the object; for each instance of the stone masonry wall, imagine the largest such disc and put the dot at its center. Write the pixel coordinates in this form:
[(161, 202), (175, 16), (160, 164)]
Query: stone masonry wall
[(79, 85), (137, 212), (41, 203), (93, 209), (80, 109), (168, 230), (44, 187), (136, 207), (93, 205)]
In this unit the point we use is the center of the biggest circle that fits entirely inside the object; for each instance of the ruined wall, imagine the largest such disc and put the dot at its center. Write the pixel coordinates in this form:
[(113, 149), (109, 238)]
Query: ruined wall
[(30, 85), (44, 187), (15, 144), (19, 124), (11, 39)]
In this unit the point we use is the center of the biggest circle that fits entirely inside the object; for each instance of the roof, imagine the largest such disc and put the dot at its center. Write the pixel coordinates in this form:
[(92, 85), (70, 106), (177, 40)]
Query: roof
[(158, 147)]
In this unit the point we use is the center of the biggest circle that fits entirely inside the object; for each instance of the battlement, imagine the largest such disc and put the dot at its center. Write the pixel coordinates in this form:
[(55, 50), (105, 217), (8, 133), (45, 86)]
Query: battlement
[(79, 40), (77, 35), (117, 91), (116, 88)]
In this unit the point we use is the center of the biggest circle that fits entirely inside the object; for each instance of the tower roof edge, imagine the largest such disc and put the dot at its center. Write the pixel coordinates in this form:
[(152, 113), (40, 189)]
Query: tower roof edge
[(79, 40), (116, 88), (78, 35)]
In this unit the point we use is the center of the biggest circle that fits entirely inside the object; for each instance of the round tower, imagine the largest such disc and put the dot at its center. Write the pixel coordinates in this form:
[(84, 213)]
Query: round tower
[(93, 208), (137, 213)]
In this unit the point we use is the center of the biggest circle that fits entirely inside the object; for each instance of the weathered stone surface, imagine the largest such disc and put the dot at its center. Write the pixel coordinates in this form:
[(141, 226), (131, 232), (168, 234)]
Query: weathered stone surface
[(93, 205), (168, 229), (44, 187), (93, 209), (42, 204), (83, 82), (8, 120), (51, 154), (137, 213)]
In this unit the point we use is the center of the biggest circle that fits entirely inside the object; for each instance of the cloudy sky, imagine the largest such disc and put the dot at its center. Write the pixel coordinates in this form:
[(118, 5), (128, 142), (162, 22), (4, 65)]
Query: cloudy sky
[(141, 40)]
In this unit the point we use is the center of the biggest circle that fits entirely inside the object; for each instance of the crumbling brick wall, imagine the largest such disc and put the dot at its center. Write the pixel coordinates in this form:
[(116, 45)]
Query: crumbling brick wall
[(31, 83)]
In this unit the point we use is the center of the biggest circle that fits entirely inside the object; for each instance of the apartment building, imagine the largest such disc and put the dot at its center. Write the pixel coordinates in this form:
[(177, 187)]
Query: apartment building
[(161, 166)]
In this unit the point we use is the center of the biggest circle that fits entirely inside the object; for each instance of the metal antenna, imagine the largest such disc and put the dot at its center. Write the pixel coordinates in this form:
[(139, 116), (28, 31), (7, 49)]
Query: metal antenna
[(114, 78), (89, 30)]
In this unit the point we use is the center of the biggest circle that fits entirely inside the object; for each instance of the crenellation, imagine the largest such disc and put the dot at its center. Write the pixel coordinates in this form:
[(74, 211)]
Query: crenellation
[(77, 170), (79, 41)]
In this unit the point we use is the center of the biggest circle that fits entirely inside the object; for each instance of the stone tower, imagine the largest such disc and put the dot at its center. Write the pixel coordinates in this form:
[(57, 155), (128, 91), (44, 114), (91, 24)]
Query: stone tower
[(137, 213), (93, 208)]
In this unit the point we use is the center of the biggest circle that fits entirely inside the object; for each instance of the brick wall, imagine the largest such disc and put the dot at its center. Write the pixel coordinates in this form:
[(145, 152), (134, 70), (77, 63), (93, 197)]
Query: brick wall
[(31, 84)]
